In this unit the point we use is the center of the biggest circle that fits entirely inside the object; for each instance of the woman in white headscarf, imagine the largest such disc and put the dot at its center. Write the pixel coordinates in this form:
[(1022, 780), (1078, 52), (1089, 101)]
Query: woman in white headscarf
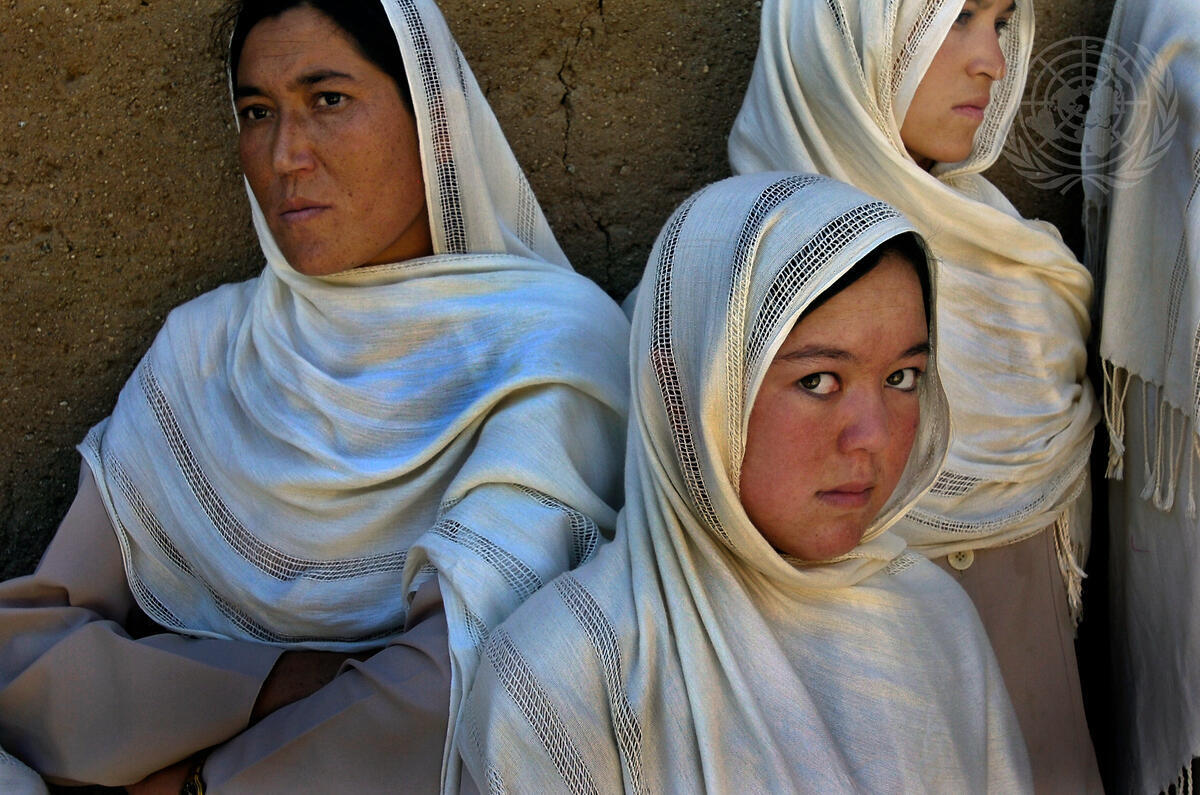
[(910, 100), (1142, 183), (755, 626), (372, 452)]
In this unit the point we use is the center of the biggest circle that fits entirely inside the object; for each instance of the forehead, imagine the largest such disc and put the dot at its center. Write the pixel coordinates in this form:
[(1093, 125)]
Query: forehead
[(295, 40), (883, 306), (1004, 6)]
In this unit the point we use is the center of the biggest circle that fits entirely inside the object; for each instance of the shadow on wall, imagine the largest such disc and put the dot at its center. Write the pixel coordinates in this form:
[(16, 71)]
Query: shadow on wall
[(122, 196)]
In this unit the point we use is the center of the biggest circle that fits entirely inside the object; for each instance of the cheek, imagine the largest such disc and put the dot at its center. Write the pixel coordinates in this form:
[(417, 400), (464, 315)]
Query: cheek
[(907, 420), (251, 153), (782, 442), (387, 169)]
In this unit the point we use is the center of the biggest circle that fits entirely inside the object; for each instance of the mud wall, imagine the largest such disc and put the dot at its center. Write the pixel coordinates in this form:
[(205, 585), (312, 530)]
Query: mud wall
[(120, 195)]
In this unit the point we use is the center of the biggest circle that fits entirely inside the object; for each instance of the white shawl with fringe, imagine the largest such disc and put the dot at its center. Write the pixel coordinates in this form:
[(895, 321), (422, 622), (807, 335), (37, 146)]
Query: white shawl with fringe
[(689, 655), (829, 92), (1142, 170), (1142, 187), (294, 455)]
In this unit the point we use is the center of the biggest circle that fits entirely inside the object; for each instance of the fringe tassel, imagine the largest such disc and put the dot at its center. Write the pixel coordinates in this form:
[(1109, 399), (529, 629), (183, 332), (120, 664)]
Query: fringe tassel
[(1116, 386), (1073, 575), (1164, 491), (1166, 432), (1153, 444), (1191, 491), (1183, 785)]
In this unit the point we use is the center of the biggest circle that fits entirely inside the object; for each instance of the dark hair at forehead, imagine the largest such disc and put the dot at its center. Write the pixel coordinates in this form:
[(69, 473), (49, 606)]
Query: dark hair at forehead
[(905, 245), (364, 21)]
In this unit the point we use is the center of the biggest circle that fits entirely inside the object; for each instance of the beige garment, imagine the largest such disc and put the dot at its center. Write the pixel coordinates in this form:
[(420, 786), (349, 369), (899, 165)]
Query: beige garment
[(1022, 602), (83, 701)]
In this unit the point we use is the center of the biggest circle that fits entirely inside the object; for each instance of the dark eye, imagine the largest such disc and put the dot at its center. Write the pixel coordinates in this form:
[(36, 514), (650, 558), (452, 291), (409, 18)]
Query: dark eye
[(905, 380), (963, 18), (819, 383), (254, 113), (330, 98)]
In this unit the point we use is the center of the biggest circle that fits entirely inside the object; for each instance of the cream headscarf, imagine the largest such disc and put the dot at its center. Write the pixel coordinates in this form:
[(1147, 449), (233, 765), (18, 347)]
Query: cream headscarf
[(689, 654), (294, 455), (830, 89)]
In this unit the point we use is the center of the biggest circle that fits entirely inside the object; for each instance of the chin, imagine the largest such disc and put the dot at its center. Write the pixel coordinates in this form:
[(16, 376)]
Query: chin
[(959, 152), (311, 265), (832, 543)]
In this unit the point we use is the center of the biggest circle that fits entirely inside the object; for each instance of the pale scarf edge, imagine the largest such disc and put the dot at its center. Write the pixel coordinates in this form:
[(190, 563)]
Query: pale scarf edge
[(1171, 458)]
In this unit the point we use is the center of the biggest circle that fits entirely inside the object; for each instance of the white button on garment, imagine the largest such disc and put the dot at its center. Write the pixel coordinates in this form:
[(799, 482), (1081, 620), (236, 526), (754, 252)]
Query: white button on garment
[(961, 561)]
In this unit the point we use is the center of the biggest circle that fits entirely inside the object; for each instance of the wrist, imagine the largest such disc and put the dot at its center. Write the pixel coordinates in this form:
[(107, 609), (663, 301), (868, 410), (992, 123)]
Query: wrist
[(193, 782)]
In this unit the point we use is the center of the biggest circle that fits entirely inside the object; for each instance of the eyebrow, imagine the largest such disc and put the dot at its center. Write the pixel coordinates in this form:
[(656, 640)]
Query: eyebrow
[(305, 80), (837, 354)]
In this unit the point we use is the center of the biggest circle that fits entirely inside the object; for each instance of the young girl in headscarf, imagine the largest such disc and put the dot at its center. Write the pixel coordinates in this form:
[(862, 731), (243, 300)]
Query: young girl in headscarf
[(755, 625), (910, 100), (373, 452), (1142, 186)]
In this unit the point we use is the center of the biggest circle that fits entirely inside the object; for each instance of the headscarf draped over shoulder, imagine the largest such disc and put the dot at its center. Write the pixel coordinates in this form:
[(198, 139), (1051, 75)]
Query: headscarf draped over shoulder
[(295, 455), (829, 92), (690, 655)]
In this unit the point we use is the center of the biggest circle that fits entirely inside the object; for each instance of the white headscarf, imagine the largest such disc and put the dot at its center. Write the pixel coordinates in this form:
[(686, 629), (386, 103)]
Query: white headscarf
[(1142, 169), (295, 454), (690, 655), (830, 89)]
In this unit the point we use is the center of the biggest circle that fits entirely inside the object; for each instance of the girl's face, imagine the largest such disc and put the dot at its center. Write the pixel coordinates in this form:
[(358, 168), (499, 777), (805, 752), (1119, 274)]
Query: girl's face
[(950, 101), (833, 423), (329, 148)]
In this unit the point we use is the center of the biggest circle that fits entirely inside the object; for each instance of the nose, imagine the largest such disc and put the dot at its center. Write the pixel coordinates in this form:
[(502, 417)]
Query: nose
[(988, 56), (865, 424), (291, 149)]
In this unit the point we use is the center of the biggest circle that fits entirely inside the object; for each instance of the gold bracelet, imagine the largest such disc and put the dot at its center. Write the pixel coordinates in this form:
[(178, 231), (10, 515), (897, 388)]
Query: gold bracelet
[(194, 783)]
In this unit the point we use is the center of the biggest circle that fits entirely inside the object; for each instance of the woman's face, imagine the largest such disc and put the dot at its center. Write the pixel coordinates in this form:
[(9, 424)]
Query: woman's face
[(834, 421), (329, 148), (950, 101)]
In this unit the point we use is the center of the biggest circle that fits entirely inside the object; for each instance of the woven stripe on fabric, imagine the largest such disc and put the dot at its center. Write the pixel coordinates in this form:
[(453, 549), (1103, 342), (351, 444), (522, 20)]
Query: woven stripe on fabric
[(254, 550), (585, 534), (523, 580), (667, 373), (447, 173), (747, 244), (608, 654), (792, 278), (522, 686), (952, 484)]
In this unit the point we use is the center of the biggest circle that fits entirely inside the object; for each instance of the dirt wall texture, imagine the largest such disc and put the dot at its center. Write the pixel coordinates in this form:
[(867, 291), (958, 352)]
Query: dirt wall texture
[(120, 195)]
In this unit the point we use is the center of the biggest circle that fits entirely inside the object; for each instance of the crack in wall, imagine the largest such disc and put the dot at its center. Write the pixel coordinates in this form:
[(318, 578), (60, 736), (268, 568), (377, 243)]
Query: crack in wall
[(569, 112)]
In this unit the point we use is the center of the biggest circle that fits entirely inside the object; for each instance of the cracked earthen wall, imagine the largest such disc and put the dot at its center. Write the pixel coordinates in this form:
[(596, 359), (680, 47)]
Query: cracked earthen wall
[(120, 196)]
